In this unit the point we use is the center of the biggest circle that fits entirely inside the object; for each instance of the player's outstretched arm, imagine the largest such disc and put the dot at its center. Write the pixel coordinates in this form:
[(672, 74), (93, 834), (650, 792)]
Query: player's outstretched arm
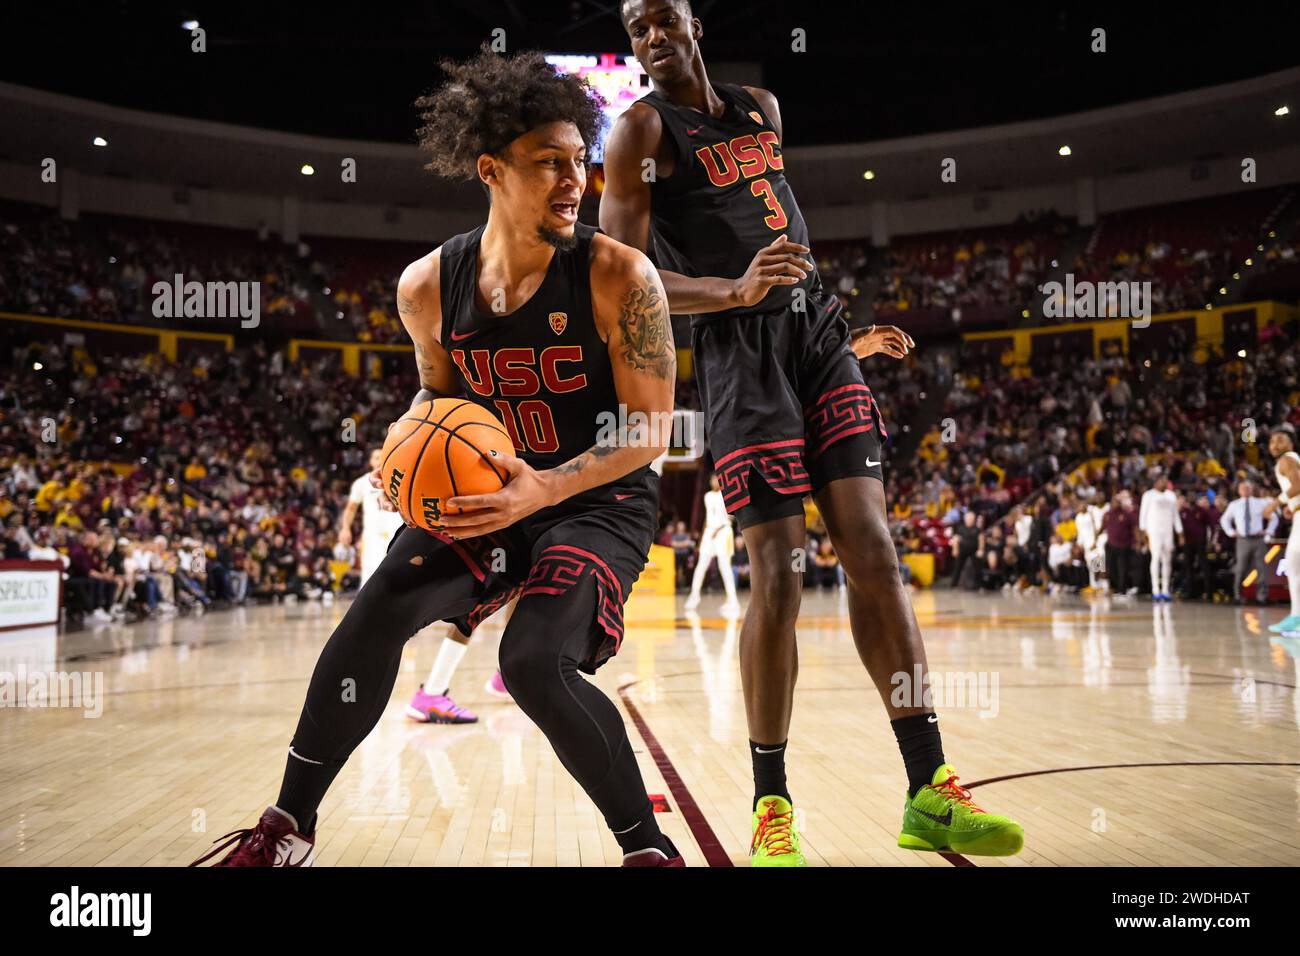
[(630, 156), (631, 312), (887, 339)]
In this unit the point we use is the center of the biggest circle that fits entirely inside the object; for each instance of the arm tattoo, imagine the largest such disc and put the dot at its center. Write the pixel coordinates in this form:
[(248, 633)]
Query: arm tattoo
[(427, 371), (407, 306), (647, 333), (591, 454)]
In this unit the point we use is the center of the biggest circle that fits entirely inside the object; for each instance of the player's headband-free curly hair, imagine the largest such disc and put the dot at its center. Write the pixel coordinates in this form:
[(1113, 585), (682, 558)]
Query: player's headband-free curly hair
[(491, 100)]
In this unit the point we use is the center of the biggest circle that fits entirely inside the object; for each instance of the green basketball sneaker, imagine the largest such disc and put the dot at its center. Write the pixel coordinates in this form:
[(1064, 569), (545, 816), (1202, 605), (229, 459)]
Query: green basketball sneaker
[(776, 841), (941, 816)]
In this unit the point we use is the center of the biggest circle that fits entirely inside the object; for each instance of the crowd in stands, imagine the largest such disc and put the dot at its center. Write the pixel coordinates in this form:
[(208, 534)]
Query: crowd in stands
[(992, 495), (221, 477), (169, 485), (176, 484), (104, 269), (994, 267), (1188, 251)]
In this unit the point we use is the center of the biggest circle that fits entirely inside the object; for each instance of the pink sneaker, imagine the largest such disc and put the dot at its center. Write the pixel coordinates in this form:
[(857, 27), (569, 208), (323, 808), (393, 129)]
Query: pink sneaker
[(438, 709), (497, 687)]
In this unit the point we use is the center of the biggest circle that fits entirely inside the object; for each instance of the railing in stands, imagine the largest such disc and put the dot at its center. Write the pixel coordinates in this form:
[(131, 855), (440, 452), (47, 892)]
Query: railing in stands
[(166, 341)]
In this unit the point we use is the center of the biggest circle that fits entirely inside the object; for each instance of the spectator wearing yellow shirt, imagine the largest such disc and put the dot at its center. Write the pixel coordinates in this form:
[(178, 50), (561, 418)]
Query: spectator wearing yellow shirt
[(1210, 468), (49, 494)]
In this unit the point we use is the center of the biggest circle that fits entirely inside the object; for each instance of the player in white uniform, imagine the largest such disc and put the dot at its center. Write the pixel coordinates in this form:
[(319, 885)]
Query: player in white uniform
[(1092, 538), (716, 541), (1281, 445), (1158, 519), (378, 526)]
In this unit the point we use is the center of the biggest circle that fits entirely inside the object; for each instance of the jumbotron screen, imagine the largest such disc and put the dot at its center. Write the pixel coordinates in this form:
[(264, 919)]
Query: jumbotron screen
[(618, 77)]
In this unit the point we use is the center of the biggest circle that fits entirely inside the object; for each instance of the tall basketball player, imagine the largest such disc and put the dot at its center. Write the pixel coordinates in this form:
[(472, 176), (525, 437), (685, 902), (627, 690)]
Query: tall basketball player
[(716, 542), (551, 326), (378, 525), (786, 410), (1281, 445)]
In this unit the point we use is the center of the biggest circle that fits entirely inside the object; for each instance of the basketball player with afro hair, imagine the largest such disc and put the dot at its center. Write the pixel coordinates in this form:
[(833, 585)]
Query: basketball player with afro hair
[(550, 326)]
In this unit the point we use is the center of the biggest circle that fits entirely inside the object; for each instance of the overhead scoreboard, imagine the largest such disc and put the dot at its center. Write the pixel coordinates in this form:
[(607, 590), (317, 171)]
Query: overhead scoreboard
[(617, 77)]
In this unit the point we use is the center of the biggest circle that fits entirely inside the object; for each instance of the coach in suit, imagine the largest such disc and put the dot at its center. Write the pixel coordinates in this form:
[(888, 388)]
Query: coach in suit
[(1245, 523)]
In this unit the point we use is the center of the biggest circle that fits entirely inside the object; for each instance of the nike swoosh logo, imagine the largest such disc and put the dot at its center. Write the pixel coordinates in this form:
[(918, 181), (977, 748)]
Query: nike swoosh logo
[(932, 719), (692, 132), (621, 497), (287, 857), (319, 763), (872, 464), (774, 750), (945, 820), (457, 336)]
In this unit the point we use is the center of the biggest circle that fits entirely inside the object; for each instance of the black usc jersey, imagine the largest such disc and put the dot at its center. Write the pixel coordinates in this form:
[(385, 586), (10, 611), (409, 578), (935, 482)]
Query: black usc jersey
[(727, 197)]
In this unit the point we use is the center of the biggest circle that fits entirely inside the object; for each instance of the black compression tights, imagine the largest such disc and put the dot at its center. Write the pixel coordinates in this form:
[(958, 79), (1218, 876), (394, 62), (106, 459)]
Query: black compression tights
[(423, 580)]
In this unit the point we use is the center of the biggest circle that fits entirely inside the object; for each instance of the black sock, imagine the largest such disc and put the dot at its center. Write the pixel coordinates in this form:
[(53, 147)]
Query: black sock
[(769, 770), (644, 835), (922, 749), (304, 786)]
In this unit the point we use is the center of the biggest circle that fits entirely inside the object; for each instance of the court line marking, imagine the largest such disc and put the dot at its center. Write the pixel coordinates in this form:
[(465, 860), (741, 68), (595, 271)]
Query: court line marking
[(1127, 766), (714, 853)]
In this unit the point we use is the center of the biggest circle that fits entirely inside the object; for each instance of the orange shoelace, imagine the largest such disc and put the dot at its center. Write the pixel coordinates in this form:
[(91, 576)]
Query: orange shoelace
[(773, 832), (952, 791)]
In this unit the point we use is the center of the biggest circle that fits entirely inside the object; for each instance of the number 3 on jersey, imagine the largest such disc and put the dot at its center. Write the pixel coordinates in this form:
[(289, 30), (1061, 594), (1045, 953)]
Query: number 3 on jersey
[(776, 219)]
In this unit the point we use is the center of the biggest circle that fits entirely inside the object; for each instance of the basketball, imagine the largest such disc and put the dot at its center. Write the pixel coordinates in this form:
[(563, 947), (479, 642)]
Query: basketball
[(438, 450)]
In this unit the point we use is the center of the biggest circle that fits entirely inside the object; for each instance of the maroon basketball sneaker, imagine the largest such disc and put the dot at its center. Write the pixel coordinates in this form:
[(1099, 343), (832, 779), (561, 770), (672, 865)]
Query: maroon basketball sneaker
[(275, 841), (653, 857)]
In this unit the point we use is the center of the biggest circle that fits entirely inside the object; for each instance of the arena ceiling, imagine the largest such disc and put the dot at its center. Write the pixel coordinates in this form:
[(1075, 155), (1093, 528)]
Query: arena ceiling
[(871, 71)]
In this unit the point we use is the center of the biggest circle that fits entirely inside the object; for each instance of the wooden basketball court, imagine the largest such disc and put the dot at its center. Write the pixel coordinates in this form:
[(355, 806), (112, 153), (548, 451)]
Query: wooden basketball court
[(1117, 733)]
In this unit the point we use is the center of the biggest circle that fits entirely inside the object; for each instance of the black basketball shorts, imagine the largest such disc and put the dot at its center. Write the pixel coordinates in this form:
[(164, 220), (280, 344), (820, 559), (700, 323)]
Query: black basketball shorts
[(786, 410), (604, 533)]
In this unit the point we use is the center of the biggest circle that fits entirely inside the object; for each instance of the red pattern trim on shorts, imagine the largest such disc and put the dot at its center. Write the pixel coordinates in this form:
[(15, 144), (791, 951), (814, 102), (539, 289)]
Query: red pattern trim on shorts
[(841, 412), (779, 463), (561, 566), (489, 607)]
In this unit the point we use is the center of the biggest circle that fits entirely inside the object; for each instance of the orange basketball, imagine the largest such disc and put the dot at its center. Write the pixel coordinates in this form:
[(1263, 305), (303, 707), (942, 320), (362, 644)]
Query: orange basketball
[(438, 450)]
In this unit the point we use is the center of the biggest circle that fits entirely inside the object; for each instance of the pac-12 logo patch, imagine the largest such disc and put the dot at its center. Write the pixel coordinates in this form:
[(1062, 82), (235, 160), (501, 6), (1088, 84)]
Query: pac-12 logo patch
[(558, 321), (756, 116)]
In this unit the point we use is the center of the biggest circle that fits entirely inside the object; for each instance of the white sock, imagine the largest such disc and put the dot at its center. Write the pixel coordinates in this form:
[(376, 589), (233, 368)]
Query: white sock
[(444, 666)]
